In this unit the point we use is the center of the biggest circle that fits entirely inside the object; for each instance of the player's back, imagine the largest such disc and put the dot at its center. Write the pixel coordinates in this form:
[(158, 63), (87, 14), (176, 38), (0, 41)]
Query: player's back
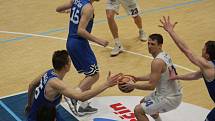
[(211, 85), (75, 16), (39, 96), (165, 86)]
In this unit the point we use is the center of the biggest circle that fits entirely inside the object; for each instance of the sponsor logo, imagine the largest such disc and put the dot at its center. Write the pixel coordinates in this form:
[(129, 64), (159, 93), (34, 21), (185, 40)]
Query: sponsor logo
[(123, 112)]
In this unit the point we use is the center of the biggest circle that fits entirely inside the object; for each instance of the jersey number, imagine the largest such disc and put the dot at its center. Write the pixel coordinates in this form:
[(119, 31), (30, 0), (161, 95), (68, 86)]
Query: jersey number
[(75, 17), (37, 90), (134, 11)]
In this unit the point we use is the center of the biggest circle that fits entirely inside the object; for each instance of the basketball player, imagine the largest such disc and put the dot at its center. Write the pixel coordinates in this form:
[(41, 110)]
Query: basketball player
[(167, 95), (45, 92), (206, 63), (83, 58), (112, 9)]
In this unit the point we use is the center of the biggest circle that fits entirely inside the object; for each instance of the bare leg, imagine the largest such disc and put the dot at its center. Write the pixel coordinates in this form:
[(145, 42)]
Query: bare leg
[(138, 21), (140, 114), (112, 23), (114, 30), (156, 117), (88, 81)]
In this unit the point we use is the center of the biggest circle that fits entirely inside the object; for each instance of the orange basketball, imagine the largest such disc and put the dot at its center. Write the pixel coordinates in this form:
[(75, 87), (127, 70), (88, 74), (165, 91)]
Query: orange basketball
[(123, 81)]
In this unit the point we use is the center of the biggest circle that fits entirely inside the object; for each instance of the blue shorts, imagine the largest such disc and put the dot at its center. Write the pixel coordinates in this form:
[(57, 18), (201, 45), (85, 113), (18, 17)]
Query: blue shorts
[(211, 116), (82, 56)]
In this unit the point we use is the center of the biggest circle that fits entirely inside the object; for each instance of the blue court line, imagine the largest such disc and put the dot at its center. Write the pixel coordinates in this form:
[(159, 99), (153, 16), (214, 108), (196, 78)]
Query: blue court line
[(105, 21), (9, 111)]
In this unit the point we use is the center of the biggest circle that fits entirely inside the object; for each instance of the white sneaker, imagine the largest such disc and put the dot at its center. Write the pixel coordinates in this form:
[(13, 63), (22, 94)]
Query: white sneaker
[(116, 50), (142, 36)]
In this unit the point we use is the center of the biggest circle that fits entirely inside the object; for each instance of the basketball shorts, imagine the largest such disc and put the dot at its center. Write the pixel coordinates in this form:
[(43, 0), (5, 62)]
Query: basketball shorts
[(211, 116), (130, 6), (153, 104), (82, 56)]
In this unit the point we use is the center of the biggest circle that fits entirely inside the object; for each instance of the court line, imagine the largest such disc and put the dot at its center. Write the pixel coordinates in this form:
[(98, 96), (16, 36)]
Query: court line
[(59, 38), (158, 9), (9, 111)]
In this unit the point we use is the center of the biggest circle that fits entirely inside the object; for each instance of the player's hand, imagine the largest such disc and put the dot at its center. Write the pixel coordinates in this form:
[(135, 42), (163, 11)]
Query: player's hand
[(132, 77), (27, 109), (66, 11), (104, 43), (127, 85), (166, 24), (113, 79), (173, 77)]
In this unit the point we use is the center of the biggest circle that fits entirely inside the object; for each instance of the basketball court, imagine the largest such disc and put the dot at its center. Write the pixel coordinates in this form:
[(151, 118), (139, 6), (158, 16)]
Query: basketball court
[(30, 31)]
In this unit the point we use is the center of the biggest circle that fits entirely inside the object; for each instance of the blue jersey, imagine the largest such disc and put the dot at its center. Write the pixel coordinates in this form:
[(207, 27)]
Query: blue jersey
[(39, 97), (75, 17), (211, 86)]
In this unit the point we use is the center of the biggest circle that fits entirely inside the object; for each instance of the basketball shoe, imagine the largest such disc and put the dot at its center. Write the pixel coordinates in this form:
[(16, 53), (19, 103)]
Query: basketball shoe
[(116, 50)]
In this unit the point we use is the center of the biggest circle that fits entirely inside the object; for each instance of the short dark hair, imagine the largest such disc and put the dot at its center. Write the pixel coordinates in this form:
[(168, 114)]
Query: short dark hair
[(157, 37), (45, 113), (210, 49), (59, 59)]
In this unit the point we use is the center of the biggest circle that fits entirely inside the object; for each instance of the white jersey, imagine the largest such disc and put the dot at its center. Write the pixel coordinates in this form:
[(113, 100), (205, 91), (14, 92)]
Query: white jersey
[(165, 86)]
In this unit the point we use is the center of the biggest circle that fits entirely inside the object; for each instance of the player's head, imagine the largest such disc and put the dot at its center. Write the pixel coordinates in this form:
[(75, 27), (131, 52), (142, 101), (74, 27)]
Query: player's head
[(208, 52), (61, 60), (155, 42), (46, 113)]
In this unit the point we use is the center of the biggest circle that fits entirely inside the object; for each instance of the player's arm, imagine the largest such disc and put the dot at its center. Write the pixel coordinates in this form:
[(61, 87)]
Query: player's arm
[(143, 78), (64, 8), (154, 77), (197, 60), (31, 89), (87, 13), (190, 76), (83, 96)]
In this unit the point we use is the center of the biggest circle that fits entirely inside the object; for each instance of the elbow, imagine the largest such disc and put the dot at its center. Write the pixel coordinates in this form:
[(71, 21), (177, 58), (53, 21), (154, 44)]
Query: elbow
[(80, 32), (58, 10), (151, 86)]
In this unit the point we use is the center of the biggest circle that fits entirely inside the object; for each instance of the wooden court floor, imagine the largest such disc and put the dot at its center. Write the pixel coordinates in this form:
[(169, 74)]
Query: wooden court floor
[(31, 30)]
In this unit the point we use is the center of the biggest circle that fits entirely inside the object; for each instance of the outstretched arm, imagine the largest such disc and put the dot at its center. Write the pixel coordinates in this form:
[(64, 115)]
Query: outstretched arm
[(190, 76), (83, 96), (153, 78), (169, 27)]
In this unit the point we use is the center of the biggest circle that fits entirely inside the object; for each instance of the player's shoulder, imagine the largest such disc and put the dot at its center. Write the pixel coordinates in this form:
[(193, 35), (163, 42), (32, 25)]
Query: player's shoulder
[(158, 62)]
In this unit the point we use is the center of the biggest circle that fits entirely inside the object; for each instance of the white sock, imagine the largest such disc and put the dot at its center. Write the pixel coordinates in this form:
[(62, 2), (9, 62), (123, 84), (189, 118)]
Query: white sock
[(141, 30), (82, 104), (158, 118), (117, 41)]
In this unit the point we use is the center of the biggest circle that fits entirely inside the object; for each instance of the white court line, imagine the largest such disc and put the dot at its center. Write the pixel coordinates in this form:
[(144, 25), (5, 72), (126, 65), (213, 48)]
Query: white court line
[(59, 38)]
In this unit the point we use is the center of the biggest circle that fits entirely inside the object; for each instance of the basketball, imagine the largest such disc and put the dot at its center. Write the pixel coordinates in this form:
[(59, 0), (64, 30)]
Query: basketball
[(124, 80)]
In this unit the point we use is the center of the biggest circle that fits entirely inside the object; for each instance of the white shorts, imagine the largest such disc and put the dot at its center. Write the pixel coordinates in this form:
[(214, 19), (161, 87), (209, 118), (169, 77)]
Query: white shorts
[(130, 6), (156, 104)]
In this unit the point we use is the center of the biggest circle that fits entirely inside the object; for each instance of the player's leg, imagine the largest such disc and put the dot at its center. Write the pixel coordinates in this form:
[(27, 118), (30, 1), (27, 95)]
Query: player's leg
[(140, 114), (132, 9), (111, 10), (156, 117), (85, 62), (85, 85)]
